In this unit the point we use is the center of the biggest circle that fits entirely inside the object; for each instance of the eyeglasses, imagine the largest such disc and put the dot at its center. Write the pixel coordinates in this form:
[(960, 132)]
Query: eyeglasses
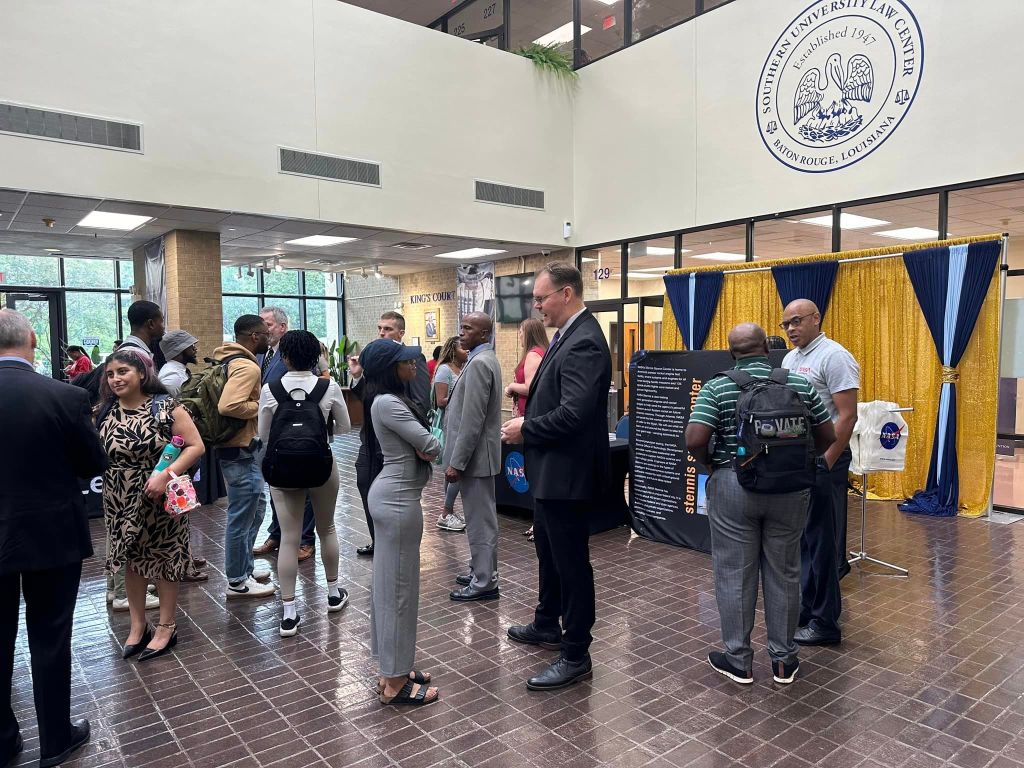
[(794, 322), (261, 333), (538, 300)]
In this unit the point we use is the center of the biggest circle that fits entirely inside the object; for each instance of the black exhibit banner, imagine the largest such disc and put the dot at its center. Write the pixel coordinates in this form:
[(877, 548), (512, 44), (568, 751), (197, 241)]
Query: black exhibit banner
[(666, 486)]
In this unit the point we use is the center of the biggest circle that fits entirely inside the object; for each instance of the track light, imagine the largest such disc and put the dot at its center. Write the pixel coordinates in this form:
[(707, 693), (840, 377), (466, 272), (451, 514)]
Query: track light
[(277, 264), (240, 271), (362, 272), (377, 273), (249, 273)]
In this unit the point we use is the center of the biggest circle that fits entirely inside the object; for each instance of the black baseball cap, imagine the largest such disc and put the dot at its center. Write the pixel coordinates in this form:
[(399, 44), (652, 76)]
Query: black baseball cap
[(381, 354)]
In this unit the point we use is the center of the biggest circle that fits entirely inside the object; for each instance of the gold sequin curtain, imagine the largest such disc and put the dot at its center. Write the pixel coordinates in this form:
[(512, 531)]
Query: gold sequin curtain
[(874, 313)]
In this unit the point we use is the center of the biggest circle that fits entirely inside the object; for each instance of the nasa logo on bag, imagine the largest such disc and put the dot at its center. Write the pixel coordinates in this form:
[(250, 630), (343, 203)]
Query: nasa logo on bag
[(890, 435), (838, 82), (515, 472)]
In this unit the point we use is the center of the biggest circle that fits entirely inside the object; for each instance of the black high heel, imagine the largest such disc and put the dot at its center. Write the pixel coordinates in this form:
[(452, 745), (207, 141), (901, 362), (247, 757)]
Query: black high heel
[(133, 648), (152, 653)]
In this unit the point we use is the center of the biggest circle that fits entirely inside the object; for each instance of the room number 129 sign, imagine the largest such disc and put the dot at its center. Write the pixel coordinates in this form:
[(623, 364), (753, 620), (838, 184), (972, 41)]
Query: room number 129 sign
[(602, 273)]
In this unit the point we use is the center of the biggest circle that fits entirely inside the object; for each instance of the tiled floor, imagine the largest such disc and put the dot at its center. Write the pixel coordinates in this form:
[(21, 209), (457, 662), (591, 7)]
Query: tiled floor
[(931, 672)]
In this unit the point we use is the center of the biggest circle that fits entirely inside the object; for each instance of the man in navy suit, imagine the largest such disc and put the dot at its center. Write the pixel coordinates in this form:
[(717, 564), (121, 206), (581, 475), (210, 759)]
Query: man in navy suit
[(272, 368), (49, 444), (565, 437)]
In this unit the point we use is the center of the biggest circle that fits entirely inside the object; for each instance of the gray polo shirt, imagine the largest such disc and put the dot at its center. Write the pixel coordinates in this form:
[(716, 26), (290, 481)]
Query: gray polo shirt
[(828, 366)]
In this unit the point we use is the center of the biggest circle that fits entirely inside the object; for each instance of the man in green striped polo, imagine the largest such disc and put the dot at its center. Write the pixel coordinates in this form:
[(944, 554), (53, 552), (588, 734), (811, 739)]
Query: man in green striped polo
[(752, 532)]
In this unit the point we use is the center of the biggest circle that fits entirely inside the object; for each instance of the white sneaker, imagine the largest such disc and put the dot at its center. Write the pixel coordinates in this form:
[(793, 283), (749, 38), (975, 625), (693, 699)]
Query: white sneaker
[(452, 522), (261, 574), (250, 588), (121, 603)]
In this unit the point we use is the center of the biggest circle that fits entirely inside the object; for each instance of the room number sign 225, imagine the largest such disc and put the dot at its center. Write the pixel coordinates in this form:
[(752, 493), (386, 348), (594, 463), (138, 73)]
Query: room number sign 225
[(602, 273)]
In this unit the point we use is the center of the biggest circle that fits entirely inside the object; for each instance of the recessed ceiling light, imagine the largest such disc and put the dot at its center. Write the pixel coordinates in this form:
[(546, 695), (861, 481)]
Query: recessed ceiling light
[(659, 250), (561, 35), (470, 253), (720, 256), (608, 2), (642, 276), (910, 233), (319, 241), (654, 269), (587, 259), (52, 250), (846, 221), (107, 220)]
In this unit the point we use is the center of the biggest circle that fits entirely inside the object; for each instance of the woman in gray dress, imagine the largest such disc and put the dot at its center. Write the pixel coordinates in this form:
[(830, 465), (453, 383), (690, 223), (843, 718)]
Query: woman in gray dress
[(396, 424)]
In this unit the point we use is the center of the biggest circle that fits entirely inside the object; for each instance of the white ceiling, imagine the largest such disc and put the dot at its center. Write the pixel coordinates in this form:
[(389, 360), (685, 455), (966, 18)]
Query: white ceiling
[(245, 238)]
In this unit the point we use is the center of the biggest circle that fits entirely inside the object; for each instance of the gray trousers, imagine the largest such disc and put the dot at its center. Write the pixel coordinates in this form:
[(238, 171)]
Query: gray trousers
[(481, 530), (754, 533)]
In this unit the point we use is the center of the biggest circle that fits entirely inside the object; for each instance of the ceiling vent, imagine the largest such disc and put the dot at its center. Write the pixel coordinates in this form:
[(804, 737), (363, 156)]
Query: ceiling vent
[(66, 126), (411, 246), (502, 194), (329, 167)]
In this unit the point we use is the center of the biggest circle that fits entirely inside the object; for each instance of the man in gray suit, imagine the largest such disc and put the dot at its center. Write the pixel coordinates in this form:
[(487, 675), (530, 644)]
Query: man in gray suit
[(472, 454)]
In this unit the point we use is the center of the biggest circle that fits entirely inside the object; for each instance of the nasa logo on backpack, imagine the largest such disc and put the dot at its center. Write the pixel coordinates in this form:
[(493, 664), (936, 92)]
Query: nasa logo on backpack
[(838, 82), (890, 435), (515, 472)]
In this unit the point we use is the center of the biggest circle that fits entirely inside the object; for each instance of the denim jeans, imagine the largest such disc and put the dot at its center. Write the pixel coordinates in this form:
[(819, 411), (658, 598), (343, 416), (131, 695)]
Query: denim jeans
[(246, 506)]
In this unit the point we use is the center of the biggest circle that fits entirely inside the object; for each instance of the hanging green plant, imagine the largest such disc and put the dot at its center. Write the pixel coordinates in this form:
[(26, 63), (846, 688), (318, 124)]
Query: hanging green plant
[(549, 58)]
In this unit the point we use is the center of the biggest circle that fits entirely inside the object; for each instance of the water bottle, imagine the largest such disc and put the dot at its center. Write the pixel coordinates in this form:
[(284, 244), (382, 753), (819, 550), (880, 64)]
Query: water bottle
[(171, 451)]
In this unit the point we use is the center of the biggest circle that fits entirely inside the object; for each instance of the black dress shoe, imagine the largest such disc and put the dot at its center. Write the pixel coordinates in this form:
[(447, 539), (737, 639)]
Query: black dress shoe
[(466, 594), (79, 735), (15, 750), (366, 551), (528, 635), (809, 635), (561, 674), (130, 649), (153, 653), (464, 580)]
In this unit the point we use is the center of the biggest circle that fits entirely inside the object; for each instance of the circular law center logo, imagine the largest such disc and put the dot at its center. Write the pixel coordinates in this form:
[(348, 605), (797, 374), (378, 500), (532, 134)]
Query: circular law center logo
[(838, 82)]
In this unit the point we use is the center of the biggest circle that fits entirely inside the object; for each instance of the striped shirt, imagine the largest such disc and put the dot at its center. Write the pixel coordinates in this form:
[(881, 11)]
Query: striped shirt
[(716, 405)]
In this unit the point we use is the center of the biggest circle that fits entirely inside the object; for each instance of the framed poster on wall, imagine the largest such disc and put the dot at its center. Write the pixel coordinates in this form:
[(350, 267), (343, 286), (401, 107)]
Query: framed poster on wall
[(431, 324)]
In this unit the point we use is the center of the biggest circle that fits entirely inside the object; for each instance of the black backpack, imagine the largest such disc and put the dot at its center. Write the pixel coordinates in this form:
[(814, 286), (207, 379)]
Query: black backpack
[(774, 443), (298, 451)]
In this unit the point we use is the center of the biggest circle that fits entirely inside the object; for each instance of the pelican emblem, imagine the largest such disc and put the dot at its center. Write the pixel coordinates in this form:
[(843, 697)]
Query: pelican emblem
[(837, 88)]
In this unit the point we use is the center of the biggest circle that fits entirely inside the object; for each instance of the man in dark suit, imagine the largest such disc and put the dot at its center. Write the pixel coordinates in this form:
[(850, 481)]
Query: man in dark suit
[(390, 326), (44, 535), (565, 433)]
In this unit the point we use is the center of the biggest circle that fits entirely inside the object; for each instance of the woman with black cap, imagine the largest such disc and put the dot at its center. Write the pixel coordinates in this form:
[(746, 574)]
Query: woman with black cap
[(395, 424)]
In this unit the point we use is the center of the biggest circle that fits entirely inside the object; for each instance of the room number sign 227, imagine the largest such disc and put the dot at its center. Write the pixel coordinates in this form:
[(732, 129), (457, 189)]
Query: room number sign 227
[(602, 273)]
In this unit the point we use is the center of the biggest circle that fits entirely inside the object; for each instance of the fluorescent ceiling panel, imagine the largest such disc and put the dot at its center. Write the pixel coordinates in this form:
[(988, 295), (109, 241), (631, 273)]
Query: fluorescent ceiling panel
[(107, 220), (642, 276), (470, 253), (319, 241), (561, 35), (846, 221), (910, 233), (720, 256)]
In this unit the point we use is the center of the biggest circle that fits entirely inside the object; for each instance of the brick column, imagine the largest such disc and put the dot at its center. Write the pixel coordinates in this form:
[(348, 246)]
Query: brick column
[(192, 275)]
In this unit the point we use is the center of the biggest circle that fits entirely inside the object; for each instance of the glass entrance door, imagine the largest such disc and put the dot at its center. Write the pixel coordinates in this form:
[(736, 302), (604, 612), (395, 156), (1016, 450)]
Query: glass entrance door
[(610, 316), (42, 308)]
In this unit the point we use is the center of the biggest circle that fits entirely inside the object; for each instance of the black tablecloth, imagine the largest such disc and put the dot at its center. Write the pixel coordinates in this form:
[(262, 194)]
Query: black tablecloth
[(512, 493)]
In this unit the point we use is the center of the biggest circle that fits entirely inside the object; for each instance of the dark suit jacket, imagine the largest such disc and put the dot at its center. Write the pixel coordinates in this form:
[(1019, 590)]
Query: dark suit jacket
[(275, 370), (565, 430), (48, 443)]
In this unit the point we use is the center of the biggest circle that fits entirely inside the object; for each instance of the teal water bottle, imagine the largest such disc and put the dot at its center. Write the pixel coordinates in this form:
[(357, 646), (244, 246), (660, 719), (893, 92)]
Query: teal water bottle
[(171, 451)]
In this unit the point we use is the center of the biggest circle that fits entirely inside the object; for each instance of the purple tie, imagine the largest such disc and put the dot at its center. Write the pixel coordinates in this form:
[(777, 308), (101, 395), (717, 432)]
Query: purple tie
[(554, 339)]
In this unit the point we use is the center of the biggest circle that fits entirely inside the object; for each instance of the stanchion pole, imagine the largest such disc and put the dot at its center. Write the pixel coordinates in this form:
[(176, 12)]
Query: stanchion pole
[(862, 556)]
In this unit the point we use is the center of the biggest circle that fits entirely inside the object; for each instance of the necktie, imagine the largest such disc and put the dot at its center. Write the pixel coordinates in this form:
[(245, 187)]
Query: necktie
[(554, 339), (266, 361)]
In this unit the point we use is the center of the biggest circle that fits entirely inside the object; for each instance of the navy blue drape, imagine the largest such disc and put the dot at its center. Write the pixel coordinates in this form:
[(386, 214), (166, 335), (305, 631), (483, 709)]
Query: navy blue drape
[(694, 299), (950, 284), (810, 280)]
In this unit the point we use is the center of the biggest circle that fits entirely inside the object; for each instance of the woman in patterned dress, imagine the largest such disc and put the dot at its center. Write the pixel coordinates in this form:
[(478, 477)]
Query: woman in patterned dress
[(136, 420)]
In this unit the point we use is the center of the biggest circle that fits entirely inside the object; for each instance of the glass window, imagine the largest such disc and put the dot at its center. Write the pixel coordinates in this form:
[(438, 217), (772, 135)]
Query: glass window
[(285, 281), (292, 308), (89, 273), (878, 225), (648, 263), (322, 319), (233, 307), (602, 271), (714, 246), (601, 30), (29, 270), (990, 210), (534, 20), (1009, 471), (480, 21), (237, 280), (316, 284), (127, 267), (92, 315), (801, 235), (652, 16)]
